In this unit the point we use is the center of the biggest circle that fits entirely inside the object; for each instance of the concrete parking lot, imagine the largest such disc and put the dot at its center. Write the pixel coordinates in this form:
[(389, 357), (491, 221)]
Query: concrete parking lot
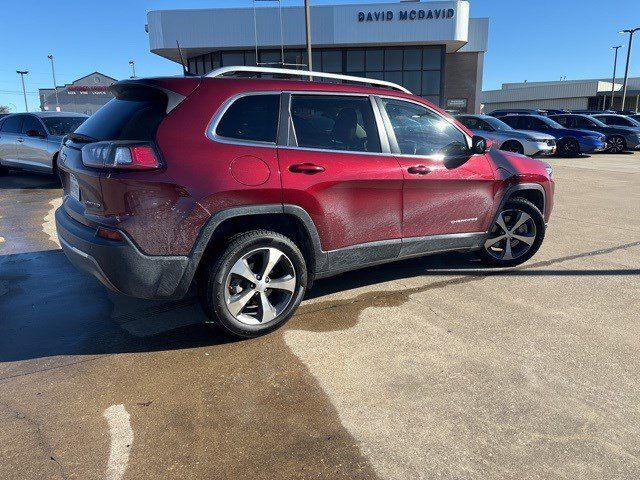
[(429, 368)]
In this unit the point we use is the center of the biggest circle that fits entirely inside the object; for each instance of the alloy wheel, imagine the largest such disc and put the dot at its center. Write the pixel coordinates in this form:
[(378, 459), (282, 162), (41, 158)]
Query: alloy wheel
[(616, 145), (511, 236), (260, 286)]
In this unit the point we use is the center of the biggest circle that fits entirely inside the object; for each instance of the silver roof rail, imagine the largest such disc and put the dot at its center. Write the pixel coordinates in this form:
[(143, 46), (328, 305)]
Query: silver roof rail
[(304, 73)]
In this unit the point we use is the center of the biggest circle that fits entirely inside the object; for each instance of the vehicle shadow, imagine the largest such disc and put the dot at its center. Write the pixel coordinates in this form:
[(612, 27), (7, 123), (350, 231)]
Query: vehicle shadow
[(49, 309), (20, 180)]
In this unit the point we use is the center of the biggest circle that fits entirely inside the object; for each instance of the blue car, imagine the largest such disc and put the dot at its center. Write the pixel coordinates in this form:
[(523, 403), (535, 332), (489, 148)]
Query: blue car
[(570, 142)]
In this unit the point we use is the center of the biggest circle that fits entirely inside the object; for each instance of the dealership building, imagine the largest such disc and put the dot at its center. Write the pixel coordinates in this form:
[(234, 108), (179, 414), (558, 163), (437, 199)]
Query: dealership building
[(593, 94), (432, 48), (84, 95)]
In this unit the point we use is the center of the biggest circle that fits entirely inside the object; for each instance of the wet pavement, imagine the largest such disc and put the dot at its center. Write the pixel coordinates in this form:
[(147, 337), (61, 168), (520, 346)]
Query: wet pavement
[(428, 368)]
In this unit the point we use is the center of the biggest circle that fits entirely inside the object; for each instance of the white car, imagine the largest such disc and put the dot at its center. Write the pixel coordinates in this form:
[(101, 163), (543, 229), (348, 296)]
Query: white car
[(504, 137)]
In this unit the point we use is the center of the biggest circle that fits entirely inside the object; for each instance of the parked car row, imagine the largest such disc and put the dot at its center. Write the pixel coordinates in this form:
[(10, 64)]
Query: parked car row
[(573, 133)]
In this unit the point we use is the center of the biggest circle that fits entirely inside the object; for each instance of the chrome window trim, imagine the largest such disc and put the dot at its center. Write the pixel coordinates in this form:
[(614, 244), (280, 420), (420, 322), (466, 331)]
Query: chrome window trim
[(382, 136), (211, 134)]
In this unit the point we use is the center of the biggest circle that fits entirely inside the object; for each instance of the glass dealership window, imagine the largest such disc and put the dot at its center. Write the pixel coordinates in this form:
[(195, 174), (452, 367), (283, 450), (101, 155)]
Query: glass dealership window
[(355, 60), (417, 68)]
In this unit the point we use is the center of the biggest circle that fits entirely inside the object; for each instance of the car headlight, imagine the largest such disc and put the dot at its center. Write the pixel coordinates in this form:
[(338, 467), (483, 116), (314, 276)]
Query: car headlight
[(549, 169)]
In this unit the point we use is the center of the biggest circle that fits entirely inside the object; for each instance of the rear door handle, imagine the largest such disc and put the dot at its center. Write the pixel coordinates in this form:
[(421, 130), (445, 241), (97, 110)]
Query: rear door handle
[(306, 168), (419, 170)]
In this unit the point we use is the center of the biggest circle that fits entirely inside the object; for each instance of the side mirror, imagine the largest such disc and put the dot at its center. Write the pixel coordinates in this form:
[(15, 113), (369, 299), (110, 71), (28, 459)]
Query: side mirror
[(35, 133), (478, 145)]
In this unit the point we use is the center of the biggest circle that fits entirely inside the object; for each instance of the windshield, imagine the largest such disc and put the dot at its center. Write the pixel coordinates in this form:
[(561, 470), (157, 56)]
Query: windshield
[(551, 123), (60, 126), (496, 123)]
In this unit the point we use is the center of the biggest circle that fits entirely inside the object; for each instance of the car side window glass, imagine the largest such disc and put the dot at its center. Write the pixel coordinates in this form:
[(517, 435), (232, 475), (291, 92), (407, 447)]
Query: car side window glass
[(482, 125), (252, 117), (12, 124), (580, 122), (32, 123), (564, 121), (421, 131), (469, 122), (334, 122), (539, 124)]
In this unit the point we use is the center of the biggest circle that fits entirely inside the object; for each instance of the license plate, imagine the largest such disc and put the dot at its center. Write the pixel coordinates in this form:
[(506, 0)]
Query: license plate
[(74, 188)]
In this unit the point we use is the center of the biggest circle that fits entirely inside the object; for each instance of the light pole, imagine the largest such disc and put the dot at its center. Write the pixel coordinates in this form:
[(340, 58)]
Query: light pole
[(613, 79), (55, 85), (22, 73), (307, 22), (626, 68), (133, 68)]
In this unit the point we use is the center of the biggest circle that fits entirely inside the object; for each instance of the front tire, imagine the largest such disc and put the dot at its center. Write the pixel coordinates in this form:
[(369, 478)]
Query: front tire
[(568, 147), (512, 146), (255, 285), (616, 144), (515, 236)]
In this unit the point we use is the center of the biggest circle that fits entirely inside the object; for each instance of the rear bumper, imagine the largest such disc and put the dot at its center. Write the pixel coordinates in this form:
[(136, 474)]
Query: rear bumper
[(121, 266)]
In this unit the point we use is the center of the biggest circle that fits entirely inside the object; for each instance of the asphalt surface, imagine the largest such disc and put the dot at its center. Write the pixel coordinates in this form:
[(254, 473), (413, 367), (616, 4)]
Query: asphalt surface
[(429, 368)]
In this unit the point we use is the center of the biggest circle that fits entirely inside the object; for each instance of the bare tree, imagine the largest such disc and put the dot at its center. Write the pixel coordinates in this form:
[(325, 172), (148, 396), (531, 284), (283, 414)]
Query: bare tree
[(4, 109)]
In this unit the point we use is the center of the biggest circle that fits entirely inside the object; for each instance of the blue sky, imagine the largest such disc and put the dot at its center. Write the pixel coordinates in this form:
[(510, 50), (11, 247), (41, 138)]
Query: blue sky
[(528, 39)]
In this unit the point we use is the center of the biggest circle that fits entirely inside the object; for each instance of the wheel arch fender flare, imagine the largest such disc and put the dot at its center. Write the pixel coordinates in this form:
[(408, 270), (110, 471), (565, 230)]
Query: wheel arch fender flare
[(215, 221), (520, 187)]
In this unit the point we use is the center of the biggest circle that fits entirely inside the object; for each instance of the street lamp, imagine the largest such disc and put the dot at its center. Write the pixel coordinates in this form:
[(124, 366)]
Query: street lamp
[(613, 79), (55, 85), (22, 73), (133, 67), (626, 68)]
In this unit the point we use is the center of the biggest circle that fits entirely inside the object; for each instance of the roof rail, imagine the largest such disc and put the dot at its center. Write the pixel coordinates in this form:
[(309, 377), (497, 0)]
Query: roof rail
[(304, 73)]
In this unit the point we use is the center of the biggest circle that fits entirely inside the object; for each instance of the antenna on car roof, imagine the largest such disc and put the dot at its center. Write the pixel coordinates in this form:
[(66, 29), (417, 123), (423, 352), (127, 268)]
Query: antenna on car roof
[(185, 70)]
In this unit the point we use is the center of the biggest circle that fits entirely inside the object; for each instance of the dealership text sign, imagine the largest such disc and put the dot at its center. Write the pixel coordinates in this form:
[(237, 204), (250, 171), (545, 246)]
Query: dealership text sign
[(389, 15)]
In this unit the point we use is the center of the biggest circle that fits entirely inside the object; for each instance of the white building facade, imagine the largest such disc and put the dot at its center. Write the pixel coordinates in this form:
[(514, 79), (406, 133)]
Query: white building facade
[(432, 48), (594, 94)]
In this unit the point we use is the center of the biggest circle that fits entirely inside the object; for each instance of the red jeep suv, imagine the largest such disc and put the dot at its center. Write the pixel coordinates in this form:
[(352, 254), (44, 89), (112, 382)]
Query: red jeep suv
[(254, 187)]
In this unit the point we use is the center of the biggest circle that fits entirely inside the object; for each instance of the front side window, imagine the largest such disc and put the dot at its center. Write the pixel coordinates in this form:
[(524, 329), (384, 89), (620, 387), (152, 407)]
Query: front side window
[(252, 117), (420, 131), (333, 122), (12, 124)]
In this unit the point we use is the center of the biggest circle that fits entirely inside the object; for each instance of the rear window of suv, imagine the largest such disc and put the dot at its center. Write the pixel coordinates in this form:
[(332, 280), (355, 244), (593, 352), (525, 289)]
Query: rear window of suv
[(133, 115), (252, 117)]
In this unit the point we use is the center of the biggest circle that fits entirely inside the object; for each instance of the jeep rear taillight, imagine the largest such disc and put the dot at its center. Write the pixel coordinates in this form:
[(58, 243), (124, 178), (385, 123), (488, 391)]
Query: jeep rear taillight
[(121, 156)]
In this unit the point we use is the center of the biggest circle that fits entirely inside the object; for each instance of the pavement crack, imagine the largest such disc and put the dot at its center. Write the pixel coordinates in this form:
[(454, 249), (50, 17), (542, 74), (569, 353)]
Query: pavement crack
[(41, 440)]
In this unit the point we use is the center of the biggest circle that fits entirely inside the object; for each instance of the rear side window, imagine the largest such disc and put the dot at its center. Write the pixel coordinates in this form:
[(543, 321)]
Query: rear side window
[(60, 126), (133, 115), (32, 123), (335, 123), (12, 124), (253, 118)]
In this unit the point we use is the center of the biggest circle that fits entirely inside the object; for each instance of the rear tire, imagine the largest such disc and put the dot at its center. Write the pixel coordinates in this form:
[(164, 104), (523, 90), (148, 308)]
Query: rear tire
[(512, 146), (515, 236), (239, 292), (568, 147), (617, 144)]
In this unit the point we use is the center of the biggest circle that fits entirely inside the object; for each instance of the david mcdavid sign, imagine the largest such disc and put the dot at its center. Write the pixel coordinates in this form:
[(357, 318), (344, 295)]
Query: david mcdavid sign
[(420, 14)]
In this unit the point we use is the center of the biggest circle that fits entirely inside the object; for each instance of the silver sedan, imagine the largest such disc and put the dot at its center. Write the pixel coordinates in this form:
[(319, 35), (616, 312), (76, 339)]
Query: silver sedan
[(31, 141), (506, 138)]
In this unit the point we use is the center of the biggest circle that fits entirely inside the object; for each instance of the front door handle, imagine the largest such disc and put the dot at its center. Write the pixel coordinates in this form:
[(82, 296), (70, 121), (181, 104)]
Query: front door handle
[(306, 168), (419, 170)]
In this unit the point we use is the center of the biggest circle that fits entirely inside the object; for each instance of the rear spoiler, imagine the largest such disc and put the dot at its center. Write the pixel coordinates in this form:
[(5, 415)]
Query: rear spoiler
[(176, 89)]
